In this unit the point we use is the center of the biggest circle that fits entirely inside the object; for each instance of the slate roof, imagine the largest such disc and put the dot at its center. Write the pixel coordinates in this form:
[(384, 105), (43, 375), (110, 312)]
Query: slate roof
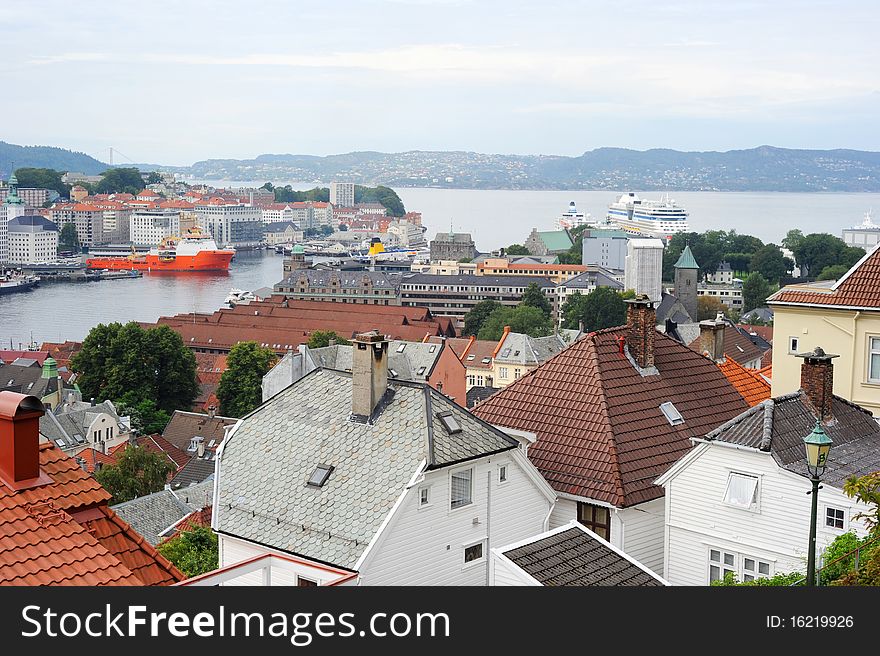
[(26, 380), (519, 348), (152, 514), (600, 432), (588, 279), (671, 308), (578, 557), (280, 226), (415, 357), (63, 533), (858, 288), (454, 238), (262, 491), (779, 425), (194, 471), (478, 393), (323, 278), (748, 382), (69, 420)]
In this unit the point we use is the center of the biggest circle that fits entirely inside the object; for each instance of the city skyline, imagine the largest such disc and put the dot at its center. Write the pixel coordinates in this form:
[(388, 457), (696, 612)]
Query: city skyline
[(179, 83)]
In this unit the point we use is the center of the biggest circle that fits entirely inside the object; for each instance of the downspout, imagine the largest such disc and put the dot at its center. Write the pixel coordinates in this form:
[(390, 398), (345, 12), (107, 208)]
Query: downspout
[(853, 358), (488, 520)]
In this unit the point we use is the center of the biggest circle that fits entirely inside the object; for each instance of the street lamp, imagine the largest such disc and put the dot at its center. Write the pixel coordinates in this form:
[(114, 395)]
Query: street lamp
[(817, 445)]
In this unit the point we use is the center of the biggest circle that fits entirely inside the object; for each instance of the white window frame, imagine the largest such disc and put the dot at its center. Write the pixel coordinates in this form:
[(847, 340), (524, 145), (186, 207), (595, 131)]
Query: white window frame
[(478, 561), (720, 564), (755, 572), (872, 350), (426, 503), (503, 474), (471, 501), (754, 507), (794, 344), (825, 525), (502, 373)]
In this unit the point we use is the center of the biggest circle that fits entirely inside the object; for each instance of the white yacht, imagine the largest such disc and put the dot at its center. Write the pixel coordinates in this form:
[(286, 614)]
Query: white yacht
[(648, 218)]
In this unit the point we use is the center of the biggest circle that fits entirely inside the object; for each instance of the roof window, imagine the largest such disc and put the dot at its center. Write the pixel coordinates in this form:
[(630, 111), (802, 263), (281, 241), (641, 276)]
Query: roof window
[(401, 347), (320, 475), (393, 373), (486, 360), (432, 348), (449, 422), (505, 353), (421, 371), (471, 357), (673, 416)]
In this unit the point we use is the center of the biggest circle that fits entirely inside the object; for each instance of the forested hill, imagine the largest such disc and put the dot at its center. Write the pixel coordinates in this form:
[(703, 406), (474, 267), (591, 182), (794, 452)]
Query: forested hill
[(46, 157)]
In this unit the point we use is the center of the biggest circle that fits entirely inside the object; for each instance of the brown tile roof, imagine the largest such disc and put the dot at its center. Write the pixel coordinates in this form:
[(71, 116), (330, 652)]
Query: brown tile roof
[(767, 360), (158, 444), (59, 534), (858, 288), (736, 346), (747, 382), (198, 518), (93, 458), (186, 425), (465, 347), (601, 434), (764, 332)]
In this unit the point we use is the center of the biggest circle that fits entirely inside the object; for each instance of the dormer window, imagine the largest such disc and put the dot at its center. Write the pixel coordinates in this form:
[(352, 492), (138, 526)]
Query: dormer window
[(673, 416), (194, 444), (320, 475)]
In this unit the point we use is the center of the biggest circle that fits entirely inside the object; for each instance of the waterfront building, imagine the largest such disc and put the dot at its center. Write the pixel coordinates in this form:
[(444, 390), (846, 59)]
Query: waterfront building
[(276, 213), (362, 287), (282, 232), (643, 269), (375, 209), (551, 242), (445, 268), (116, 221), (865, 235), (32, 239), (342, 194), (88, 220), (500, 266), (409, 235), (453, 246), (149, 227), (12, 207), (454, 296), (231, 224), (607, 248)]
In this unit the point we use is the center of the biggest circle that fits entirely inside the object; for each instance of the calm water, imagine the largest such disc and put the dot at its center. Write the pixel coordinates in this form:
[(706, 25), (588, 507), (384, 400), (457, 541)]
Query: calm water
[(67, 311)]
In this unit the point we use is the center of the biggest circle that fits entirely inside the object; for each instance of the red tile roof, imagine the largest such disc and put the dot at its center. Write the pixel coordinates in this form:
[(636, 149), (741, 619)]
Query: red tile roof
[(158, 444), (60, 534), (747, 382), (198, 518), (858, 288), (601, 434), (764, 332), (93, 458), (8, 356)]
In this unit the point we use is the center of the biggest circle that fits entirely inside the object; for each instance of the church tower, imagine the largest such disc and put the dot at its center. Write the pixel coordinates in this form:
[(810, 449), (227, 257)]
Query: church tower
[(686, 276)]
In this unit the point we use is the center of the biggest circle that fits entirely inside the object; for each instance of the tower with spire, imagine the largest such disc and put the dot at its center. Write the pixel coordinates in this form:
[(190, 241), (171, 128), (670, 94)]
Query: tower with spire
[(686, 277), (12, 207)]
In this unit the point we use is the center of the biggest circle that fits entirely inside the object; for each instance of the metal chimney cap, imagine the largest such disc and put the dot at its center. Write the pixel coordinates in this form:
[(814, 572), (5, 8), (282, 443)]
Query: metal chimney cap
[(818, 354)]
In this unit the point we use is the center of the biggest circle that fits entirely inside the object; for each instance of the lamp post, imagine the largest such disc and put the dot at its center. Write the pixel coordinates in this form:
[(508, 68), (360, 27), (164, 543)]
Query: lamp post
[(817, 445)]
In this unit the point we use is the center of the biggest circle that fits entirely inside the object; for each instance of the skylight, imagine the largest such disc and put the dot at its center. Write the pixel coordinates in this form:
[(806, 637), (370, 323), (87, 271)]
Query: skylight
[(393, 373), (471, 357), (449, 422), (432, 348), (486, 360), (421, 371), (505, 353), (673, 416), (320, 475), (401, 347)]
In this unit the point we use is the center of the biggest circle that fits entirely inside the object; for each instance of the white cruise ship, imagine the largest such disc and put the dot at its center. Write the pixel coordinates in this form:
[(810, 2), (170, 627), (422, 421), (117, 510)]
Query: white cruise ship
[(571, 218), (648, 218)]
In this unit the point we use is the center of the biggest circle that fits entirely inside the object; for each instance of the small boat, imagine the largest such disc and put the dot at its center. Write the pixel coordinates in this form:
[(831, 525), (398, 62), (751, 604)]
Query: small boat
[(11, 282), (239, 297)]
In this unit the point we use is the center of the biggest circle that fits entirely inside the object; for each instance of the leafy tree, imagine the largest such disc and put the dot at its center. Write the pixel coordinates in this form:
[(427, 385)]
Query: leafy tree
[(120, 180), (68, 239), (835, 558), (770, 263), (127, 362), (708, 307), (792, 240), (817, 251), (42, 179), (521, 319), (866, 489), (153, 178), (384, 195), (146, 417), (477, 315), (240, 385), (534, 297), (193, 552), (739, 261), (756, 289), (833, 272), (136, 473), (601, 308), (516, 249), (321, 338), (268, 186)]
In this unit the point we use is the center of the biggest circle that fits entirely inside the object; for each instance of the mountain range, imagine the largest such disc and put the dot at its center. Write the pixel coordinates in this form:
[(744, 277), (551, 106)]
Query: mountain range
[(48, 157)]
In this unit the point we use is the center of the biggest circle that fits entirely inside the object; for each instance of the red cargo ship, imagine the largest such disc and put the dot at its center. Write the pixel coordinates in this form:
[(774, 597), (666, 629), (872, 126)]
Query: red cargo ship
[(194, 251)]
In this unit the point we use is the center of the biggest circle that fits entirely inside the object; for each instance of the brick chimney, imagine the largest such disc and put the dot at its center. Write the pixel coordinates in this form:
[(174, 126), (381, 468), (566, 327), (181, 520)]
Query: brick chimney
[(20, 441), (817, 380), (712, 338), (369, 373), (641, 320)]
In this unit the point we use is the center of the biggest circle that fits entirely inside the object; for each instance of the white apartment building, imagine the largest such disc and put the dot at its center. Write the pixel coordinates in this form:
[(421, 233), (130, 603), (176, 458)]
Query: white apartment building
[(643, 270), (277, 213), (231, 224), (89, 222), (149, 227), (342, 194), (33, 239)]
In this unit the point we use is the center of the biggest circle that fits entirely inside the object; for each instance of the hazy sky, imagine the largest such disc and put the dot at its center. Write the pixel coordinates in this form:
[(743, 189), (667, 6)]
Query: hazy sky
[(174, 82)]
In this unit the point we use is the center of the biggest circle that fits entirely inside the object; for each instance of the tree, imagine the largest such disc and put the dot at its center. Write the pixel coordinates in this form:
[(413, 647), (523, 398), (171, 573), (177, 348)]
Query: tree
[(153, 178), (521, 319), (68, 239), (866, 489), (42, 179), (833, 272), (756, 289), (321, 338), (193, 552), (127, 362), (146, 417), (477, 315), (240, 389), (601, 308), (121, 180), (770, 263), (268, 186), (792, 240), (817, 251), (534, 297), (516, 249), (137, 472), (708, 307), (386, 196)]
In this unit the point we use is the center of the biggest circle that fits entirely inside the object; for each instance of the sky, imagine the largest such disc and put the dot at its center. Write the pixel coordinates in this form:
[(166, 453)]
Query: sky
[(173, 82)]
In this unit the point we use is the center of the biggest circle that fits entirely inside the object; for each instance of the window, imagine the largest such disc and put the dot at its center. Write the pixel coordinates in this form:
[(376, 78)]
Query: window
[(320, 475), (461, 488), (502, 474), (793, 343), (424, 496), (473, 553), (835, 517), (595, 518), (449, 422), (720, 563), (305, 583), (673, 416), (753, 569), (502, 372), (874, 360), (742, 491)]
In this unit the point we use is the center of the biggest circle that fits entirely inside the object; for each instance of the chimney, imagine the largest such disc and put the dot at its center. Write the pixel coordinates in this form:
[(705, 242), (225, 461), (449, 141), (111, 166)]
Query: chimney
[(712, 338), (369, 373), (201, 448), (212, 410), (92, 400), (20, 441), (641, 321), (817, 381)]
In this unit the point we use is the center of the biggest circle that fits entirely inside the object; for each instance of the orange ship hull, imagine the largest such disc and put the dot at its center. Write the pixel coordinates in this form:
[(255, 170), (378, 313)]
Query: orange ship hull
[(203, 261)]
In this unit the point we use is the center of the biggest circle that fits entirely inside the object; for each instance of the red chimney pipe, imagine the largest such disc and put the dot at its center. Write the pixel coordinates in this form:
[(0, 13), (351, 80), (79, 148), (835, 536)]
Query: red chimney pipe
[(20, 441)]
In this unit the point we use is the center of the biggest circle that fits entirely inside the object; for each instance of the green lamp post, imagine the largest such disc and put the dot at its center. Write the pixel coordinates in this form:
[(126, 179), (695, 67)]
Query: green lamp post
[(817, 445)]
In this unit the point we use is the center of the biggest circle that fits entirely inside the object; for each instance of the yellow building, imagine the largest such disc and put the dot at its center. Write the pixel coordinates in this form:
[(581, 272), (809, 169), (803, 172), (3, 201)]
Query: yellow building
[(842, 318)]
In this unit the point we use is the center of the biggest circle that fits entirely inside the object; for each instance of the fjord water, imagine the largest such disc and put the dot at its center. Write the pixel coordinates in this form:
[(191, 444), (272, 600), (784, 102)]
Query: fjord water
[(55, 312)]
